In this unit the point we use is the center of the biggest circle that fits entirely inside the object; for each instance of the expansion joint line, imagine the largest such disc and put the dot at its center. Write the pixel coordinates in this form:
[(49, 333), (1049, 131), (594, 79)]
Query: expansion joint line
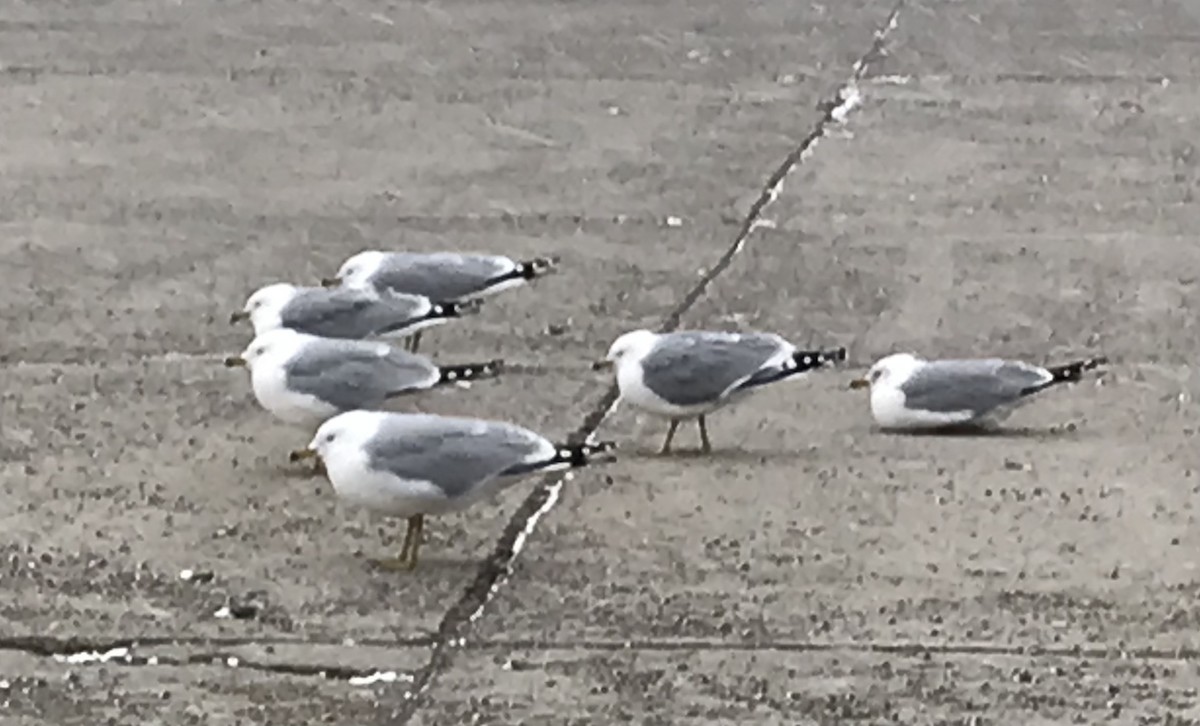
[(497, 568)]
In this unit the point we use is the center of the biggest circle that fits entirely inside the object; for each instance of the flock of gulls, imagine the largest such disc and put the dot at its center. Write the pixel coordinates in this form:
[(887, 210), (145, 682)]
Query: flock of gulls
[(321, 360)]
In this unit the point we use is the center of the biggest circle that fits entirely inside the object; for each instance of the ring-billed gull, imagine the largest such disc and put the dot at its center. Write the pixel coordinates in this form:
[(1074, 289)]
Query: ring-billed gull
[(439, 275), (908, 392), (414, 465), (352, 313), (449, 276), (304, 379), (690, 374)]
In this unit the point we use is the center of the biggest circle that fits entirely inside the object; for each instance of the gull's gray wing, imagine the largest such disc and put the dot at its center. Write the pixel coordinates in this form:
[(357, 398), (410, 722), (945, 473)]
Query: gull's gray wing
[(455, 455), (350, 313), (352, 374), (975, 385), (441, 276), (696, 367)]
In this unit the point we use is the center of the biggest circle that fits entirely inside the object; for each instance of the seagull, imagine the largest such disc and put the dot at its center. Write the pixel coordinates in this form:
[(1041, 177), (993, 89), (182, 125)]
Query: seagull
[(415, 465), (448, 276), (690, 374), (305, 379), (911, 393), (352, 313)]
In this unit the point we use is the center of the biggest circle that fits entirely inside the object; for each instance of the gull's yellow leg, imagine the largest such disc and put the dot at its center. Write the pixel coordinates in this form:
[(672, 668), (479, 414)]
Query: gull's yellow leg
[(705, 446), (666, 447), (407, 559), (417, 526)]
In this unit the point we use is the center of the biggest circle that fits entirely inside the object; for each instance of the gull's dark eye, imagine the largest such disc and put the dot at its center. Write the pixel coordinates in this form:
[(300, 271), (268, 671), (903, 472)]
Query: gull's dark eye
[(330, 437), (260, 351)]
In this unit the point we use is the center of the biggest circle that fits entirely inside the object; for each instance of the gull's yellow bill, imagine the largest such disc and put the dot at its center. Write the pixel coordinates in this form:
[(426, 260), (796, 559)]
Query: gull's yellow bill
[(302, 454)]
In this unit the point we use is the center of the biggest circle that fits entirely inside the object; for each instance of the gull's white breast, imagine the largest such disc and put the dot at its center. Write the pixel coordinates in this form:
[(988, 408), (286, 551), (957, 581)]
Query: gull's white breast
[(264, 320), (634, 390), (270, 389), (381, 492), (889, 409)]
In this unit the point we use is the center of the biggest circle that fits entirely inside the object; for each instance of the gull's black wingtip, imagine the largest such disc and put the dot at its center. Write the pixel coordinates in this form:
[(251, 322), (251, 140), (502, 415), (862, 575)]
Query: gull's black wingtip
[(538, 266), (585, 453), (806, 360), (470, 371), (1073, 371), (455, 309)]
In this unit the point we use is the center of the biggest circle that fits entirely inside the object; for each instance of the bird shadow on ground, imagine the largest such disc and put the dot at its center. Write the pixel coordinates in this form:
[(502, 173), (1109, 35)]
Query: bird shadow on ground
[(989, 432)]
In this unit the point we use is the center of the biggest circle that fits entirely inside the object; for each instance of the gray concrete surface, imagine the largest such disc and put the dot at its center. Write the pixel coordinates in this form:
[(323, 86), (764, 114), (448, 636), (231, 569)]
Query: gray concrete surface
[(1020, 179)]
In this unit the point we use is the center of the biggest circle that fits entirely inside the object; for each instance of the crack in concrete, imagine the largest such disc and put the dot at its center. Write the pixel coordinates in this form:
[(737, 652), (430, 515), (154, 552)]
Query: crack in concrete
[(122, 655), (901, 648), (127, 657), (213, 651), (496, 570), (48, 646), (218, 652), (1033, 79)]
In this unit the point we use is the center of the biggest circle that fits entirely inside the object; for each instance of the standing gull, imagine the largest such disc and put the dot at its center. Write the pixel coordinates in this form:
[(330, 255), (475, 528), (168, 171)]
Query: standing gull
[(446, 276), (690, 374), (304, 379), (910, 393), (346, 312), (413, 465)]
